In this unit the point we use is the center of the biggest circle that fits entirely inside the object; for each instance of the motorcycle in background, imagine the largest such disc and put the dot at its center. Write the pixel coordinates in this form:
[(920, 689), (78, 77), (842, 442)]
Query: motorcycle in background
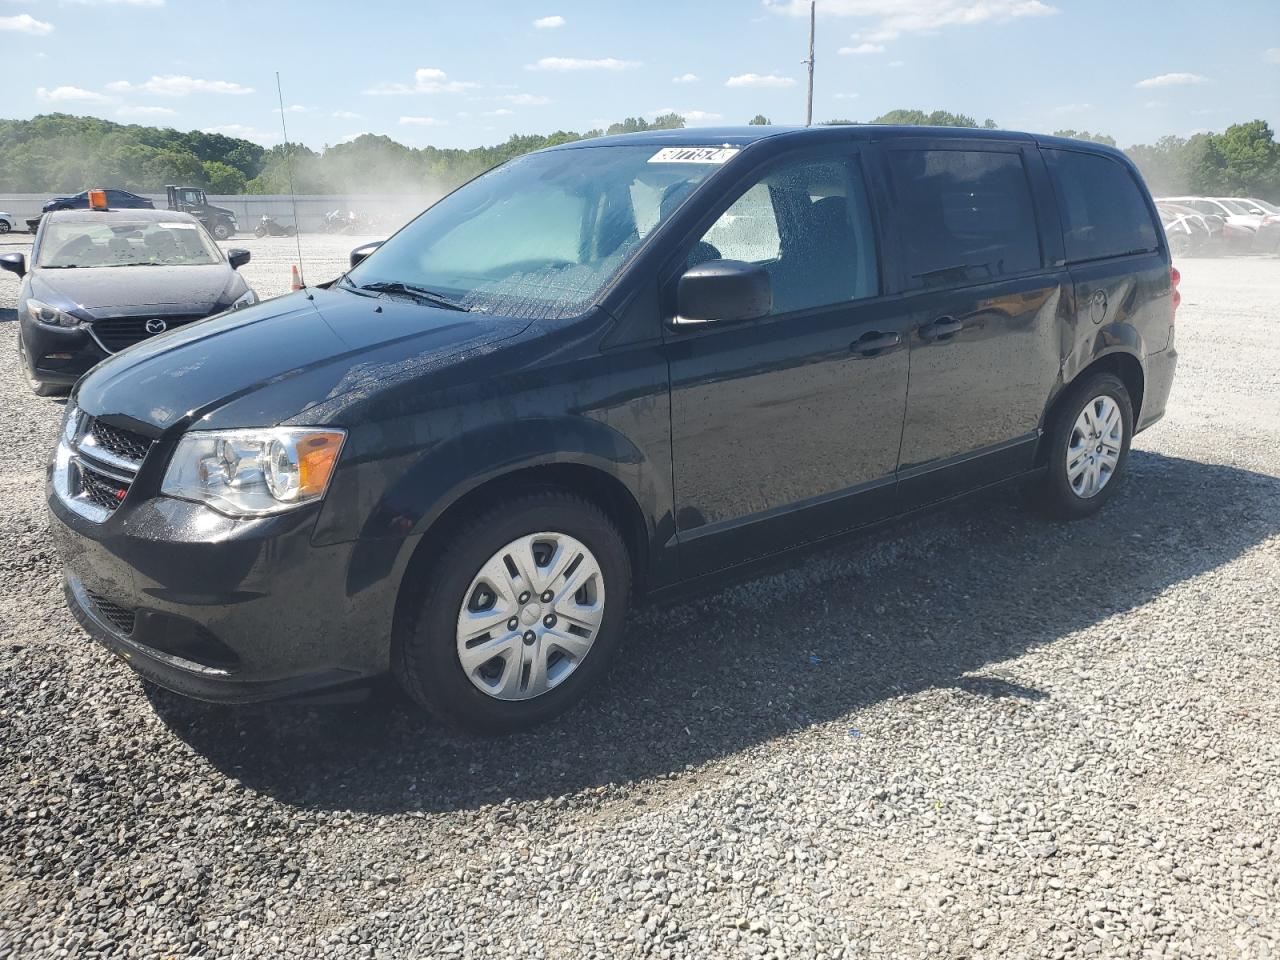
[(267, 227)]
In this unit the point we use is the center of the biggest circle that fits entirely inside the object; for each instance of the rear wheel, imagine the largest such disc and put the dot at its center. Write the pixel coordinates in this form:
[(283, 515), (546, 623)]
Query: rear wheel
[(4, 226), (1088, 436), (222, 230), (521, 611)]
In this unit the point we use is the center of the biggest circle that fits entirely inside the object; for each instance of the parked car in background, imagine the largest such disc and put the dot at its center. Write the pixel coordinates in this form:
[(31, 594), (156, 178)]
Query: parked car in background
[(102, 280), (116, 200), (576, 379), (1187, 231), (1268, 238), (1230, 232), (219, 221), (8, 222)]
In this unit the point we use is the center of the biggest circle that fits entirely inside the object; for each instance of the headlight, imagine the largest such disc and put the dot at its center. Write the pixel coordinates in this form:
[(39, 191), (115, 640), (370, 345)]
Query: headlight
[(254, 473), (41, 312), (246, 299)]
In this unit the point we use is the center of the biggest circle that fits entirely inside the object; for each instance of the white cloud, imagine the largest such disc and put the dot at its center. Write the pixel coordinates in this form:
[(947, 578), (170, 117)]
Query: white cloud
[(178, 85), (846, 96), (1171, 80), (296, 108), (243, 132), (577, 63), (65, 94), (897, 63), (1154, 104), (526, 99), (685, 78), (862, 49), (1271, 55), (549, 23), (759, 80), (1073, 108), (139, 111), (887, 19), (422, 122), (345, 115), (26, 23), (425, 80), (500, 112)]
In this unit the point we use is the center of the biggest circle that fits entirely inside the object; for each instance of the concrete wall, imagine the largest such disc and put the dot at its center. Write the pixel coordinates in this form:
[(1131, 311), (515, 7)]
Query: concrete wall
[(381, 213)]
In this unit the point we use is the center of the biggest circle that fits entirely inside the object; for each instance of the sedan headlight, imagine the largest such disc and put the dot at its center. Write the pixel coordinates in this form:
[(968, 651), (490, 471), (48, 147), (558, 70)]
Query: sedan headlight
[(246, 299), (254, 473), (41, 312)]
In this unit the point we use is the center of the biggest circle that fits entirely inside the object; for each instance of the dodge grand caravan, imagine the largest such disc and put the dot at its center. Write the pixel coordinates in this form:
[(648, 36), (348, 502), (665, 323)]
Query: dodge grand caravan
[(608, 370)]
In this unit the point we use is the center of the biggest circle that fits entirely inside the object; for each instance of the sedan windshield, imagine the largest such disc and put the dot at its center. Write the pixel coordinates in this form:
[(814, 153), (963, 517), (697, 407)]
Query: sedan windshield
[(540, 236), (124, 243)]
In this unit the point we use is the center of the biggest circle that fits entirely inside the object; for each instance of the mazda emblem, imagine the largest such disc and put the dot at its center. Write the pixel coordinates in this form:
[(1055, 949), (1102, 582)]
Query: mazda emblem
[(156, 326)]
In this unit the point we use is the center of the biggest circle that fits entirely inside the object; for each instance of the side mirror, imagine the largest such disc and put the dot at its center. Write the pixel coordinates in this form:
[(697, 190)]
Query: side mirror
[(1257, 211), (722, 290), (359, 253), (237, 258), (14, 263)]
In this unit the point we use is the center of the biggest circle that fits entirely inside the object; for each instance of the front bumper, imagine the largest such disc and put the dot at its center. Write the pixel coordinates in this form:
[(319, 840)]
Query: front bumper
[(60, 355), (221, 609)]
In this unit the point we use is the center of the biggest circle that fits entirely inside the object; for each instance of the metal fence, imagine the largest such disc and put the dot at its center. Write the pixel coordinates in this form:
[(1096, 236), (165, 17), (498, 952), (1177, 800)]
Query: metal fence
[(377, 213)]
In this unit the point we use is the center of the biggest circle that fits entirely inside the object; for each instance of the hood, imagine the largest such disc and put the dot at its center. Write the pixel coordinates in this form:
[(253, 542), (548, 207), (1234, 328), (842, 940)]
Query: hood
[(131, 291), (270, 362)]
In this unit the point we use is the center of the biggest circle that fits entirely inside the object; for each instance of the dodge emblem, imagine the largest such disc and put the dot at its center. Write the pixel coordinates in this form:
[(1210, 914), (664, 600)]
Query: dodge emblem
[(156, 326)]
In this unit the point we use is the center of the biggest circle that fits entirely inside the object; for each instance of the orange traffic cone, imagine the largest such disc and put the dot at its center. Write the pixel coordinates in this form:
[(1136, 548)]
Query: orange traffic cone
[(295, 278)]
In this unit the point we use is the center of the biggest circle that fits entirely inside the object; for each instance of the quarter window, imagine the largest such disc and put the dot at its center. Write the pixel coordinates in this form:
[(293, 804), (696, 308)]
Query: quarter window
[(966, 216), (808, 223), (1103, 211)]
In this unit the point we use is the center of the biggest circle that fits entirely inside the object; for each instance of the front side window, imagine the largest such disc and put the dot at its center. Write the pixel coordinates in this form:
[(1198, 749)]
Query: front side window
[(540, 236), (966, 216), (110, 242), (1103, 211), (809, 225)]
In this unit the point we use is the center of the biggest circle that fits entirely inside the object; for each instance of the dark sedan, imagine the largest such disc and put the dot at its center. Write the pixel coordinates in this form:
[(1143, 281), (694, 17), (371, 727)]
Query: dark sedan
[(116, 200), (102, 280)]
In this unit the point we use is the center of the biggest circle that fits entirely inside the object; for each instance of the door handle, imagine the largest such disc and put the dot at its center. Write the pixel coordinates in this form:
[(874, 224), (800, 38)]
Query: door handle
[(942, 327), (870, 344)]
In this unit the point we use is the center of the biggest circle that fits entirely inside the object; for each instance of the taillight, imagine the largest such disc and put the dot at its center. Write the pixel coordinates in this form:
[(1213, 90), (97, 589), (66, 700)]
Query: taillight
[(1175, 278)]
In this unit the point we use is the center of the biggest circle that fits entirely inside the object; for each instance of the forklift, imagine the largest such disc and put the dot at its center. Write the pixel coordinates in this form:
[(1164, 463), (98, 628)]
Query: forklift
[(219, 221)]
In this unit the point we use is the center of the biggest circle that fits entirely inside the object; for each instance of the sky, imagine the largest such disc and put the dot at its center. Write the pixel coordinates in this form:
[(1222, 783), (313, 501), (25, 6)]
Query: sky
[(465, 74)]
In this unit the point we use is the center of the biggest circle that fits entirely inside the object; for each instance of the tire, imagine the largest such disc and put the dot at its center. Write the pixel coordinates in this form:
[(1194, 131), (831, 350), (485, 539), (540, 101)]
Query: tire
[(290, 231), (38, 387), (259, 232), (5, 226), (427, 654), (221, 230), (1072, 488)]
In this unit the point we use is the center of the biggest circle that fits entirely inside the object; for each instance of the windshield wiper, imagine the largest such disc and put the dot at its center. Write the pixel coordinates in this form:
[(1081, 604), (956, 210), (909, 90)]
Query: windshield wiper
[(419, 293)]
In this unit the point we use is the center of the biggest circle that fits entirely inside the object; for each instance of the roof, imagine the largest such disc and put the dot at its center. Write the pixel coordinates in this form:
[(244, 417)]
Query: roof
[(123, 213), (823, 133)]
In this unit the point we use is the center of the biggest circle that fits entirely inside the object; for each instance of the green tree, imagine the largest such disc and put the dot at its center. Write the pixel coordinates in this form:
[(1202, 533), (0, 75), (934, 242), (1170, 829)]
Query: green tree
[(1086, 135), (759, 120), (918, 118), (221, 177)]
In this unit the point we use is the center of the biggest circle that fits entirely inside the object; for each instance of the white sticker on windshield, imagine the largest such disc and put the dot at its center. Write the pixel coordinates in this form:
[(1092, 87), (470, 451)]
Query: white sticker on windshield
[(694, 155)]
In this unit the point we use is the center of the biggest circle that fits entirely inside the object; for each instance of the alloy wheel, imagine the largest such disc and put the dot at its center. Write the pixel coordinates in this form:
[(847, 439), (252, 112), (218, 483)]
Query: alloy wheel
[(530, 616), (1093, 450)]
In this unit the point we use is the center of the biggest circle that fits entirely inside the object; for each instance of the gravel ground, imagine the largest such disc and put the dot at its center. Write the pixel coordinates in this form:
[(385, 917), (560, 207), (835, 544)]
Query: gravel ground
[(979, 735)]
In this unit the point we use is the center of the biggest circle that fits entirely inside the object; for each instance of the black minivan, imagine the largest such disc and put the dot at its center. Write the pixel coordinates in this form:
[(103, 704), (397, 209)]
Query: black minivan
[(608, 370)]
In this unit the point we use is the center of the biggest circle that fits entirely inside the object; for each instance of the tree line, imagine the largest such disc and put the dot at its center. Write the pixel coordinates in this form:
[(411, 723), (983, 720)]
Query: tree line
[(60, 153)]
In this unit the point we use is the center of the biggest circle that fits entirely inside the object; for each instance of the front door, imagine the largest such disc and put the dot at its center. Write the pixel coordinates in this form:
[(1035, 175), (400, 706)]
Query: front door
[(785, 429)]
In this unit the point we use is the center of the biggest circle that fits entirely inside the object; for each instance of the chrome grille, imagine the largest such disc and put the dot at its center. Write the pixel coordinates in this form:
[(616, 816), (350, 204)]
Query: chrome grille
[(95, 464), (123, 443)]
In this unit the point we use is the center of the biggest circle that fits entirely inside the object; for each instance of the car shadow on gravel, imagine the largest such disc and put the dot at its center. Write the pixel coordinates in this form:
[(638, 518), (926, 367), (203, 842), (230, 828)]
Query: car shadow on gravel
[(931, 604)]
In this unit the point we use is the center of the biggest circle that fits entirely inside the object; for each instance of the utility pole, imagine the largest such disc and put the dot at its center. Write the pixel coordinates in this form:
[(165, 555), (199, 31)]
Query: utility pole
[(808, 113)]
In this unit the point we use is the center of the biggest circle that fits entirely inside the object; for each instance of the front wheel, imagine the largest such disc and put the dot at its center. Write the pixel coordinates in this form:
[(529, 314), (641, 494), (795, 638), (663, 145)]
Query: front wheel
[(259, 232), (1088, 436), (221, 231), (520, 612), (4, 226)]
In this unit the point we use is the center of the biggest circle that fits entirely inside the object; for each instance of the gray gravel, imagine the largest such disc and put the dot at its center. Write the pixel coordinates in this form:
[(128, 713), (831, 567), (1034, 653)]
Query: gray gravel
[(980, 735)]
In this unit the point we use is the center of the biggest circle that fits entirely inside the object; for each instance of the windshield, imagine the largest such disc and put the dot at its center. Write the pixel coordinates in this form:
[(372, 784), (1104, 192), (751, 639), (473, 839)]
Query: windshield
[(124, 243), (1234, 206), (1264, 205), (540, 237)]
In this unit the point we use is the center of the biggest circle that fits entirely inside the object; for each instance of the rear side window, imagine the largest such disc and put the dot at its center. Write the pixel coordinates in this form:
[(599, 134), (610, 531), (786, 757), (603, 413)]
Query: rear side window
[(966, 216), (1104, 213)]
